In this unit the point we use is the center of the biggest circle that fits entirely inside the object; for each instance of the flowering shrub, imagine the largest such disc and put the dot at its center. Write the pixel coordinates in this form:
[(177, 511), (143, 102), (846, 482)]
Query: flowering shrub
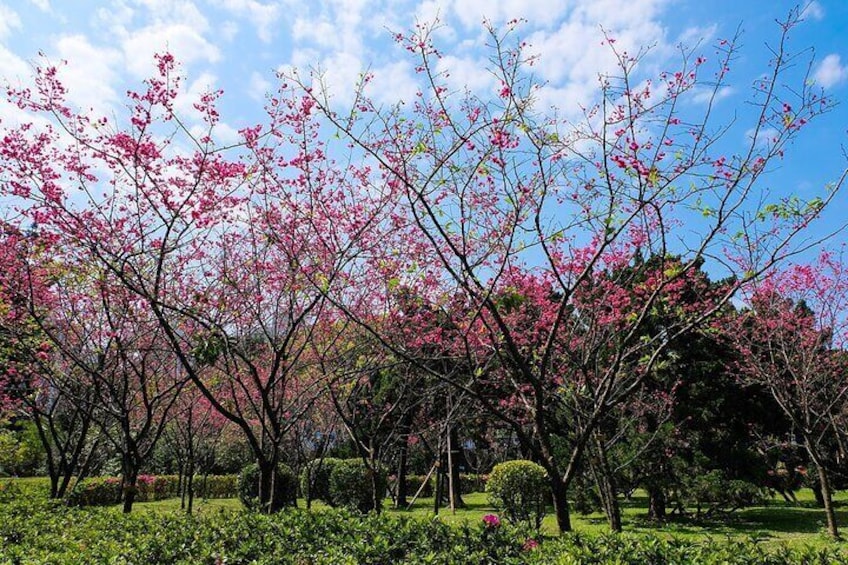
[(491, 520)]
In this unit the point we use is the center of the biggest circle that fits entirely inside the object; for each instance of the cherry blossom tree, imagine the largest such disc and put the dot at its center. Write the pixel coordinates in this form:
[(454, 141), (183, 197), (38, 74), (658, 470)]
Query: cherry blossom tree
[(791, 340), (500, 199)]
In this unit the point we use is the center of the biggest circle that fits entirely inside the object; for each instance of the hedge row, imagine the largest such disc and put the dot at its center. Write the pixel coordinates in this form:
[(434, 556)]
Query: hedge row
[(468, 483), (347, 483), (104, 491), (37, 532)]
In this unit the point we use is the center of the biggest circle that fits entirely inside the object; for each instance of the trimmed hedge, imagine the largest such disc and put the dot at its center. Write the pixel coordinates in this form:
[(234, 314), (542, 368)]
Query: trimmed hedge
[(216, 486), (104, 491), (468, 483), (315, 479), (285, 487), (520, 490), (95, 491), (350, 485)]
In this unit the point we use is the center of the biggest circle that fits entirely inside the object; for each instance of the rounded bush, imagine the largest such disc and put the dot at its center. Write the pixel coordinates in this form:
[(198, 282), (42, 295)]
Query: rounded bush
[(351, 485), (519, 489), (285, 487), (315, 479)]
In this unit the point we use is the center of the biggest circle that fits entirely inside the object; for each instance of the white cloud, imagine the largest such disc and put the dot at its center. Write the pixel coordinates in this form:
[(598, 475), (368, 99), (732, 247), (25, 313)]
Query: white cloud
[(17, 73), (185, 42), (319, 31), (91, 74), (392, 83), (264, 17), (472, 12), (704, 95), (204, 83), (830, 71), (695, 36), (229, 30), (258, 86), (9, 20), (813, 10), (764, 138), (43, 5), (466, 72)]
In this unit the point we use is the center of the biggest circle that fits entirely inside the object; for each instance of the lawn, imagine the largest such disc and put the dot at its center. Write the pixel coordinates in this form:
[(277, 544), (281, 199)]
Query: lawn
[(778, 522)]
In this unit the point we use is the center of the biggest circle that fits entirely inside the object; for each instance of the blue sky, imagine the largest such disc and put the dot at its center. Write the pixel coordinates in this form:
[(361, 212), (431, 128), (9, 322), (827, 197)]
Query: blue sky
[(237, 45)]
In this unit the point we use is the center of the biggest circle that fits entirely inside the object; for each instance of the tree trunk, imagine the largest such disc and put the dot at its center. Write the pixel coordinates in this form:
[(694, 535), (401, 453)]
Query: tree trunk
[(189, 480), (560, 493), (437, 498), (827, 496), (455, 482), (656, 504), (54, 483), (267, 502), (605, 483), (400, 500), (376, 493), (130, 488)]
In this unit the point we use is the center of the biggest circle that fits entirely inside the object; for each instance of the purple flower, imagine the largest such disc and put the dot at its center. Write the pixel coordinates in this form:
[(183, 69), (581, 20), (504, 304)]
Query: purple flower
[(491, 521)]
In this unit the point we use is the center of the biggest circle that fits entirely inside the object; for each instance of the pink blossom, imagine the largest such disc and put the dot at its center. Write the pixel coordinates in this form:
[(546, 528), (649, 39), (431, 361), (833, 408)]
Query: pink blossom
[(491, 521)]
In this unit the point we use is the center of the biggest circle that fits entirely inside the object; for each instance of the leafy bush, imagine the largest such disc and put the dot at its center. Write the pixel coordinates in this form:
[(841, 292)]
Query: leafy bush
[(38, 532), (351, 485), (519, 489), (713, 493), (315, 479), (150, 488), (413, 483), (96, 491), (285, 487), (216, 486)]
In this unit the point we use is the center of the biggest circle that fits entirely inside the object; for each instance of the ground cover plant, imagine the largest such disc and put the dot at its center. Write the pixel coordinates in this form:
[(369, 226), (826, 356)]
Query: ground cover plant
[(332, 536)]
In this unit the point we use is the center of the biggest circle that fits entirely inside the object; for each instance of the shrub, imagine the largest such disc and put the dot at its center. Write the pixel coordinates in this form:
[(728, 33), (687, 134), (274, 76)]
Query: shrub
[(96, 491), (150, 488), (519, 490), (216, 486), (285, 487), (350, 485), (315, 479), (713, 492), (413, 483)]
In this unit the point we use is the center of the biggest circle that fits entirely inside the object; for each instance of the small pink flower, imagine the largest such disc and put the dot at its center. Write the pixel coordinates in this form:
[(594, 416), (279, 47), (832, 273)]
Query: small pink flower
[(491, 521), (530, 544)]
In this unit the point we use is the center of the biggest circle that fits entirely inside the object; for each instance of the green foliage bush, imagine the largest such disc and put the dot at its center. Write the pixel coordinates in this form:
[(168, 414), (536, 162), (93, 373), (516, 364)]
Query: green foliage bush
[(712, 492), (216, 486), (519, 489), (96, 491), (37, 532), (285, 487), (104, 491), (315, 479), (351, 485)]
